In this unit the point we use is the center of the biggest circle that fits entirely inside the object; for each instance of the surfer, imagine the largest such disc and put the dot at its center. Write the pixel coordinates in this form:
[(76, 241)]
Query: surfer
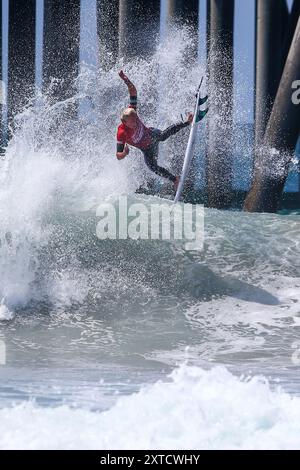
[(132, 131)]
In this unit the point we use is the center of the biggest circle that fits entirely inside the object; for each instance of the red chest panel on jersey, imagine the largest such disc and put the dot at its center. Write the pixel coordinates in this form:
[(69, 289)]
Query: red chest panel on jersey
[(139, 137)]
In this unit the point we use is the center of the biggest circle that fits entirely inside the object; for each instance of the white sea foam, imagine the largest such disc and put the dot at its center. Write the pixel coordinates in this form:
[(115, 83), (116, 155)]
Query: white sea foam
[(131, 302), (196, 409), (54, 170)]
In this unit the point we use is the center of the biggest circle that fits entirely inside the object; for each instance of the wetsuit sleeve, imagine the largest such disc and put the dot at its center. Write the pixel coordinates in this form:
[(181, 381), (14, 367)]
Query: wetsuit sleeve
[(120, 141), (133, 101), (132, 93), (120, 146)]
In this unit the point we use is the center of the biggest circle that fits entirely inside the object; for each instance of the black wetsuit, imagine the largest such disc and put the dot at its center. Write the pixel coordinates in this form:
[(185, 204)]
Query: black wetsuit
[(151, 153)]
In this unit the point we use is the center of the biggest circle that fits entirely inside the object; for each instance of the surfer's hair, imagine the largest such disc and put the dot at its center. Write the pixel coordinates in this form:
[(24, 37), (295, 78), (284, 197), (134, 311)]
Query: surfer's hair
[(126, 113)]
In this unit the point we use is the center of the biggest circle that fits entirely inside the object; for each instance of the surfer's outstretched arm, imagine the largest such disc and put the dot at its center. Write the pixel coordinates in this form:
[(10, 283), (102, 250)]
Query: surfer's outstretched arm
[(131, 88)]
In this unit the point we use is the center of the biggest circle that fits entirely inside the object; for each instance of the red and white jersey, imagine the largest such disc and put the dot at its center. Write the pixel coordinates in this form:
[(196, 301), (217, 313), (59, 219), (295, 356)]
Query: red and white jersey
[(139, 137)]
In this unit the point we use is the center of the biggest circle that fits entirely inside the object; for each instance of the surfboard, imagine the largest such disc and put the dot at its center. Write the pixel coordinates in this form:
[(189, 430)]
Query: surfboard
[(198, 116)]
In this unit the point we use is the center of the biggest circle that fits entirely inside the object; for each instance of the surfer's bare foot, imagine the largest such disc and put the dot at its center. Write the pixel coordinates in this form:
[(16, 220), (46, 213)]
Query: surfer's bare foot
[(176, 183)]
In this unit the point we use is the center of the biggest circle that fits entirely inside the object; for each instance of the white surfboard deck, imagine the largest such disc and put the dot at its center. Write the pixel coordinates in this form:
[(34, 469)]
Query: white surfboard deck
[(190, 148)]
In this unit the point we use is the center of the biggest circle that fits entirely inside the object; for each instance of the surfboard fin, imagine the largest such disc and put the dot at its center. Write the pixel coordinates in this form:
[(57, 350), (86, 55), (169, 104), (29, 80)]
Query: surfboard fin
[(203, 100), (201, 115)]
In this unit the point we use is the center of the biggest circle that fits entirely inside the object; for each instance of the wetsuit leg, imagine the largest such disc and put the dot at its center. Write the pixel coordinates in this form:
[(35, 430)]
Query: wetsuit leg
[(150, 156)]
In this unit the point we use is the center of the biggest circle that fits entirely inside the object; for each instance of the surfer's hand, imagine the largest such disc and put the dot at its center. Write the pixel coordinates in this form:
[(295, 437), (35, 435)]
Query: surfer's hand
[(124, 153), (190, 118), (123, 77)]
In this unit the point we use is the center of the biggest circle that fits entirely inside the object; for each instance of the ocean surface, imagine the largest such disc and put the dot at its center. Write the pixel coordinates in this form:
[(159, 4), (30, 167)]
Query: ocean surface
[(137, 343)]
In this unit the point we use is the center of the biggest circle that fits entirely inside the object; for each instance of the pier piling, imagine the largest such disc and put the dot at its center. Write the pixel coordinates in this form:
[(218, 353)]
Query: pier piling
[(107, 30), (61, 47), (268, 64), (21, 55), (220, 117), (282, 132), (139, 24)]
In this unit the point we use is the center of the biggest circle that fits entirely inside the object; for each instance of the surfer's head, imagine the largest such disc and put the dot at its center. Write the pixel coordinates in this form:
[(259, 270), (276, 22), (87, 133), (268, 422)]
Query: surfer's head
[(129, 117)]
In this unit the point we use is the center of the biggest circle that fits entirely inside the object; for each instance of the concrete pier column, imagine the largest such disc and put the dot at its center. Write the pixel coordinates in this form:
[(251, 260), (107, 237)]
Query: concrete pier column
[(139, 24), (21, 55), (290, 29), (185, 12), (280, 139), (107, 30), (61, 46), (285, 17), (1, 87), (220, 116), (269, 28)]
